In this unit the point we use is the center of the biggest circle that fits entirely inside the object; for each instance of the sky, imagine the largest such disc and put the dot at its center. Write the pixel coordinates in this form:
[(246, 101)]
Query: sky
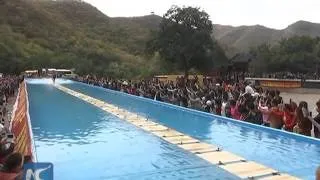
[(277, 14)]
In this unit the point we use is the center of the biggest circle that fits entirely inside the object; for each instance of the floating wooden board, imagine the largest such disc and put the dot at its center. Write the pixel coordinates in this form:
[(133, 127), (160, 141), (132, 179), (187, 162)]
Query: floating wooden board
[(169, 133), (218, 157), (151, 128), (178, 138), (248, 169), (279, 177), (197, 146)]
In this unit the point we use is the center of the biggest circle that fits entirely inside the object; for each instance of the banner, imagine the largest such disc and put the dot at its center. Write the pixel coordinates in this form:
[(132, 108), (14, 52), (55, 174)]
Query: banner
[(20, 124), (280, 84)]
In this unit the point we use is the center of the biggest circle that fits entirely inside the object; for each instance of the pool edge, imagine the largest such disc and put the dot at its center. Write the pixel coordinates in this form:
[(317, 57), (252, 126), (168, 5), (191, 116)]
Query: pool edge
[(21, 126), (33, 145)]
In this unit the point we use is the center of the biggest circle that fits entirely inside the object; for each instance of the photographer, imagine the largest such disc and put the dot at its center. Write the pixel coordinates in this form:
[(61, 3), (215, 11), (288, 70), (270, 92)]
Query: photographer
[(12, 167), (6, 144)]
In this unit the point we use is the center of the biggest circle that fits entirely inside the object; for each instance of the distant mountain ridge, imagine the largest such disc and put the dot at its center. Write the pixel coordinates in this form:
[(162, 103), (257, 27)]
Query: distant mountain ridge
[(237, 39)]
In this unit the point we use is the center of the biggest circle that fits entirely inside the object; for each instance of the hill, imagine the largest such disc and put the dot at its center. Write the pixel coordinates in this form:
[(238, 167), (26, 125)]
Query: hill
[(74, 34), (45, 33), (242, 38)]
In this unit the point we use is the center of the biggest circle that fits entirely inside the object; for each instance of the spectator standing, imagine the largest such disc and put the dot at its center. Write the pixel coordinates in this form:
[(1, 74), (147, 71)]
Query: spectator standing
[(253, 116), (317, 120), (289, 118), (278, 98), (223, 106), (275, 116), (304, 125), (249, 89), (234, 110), (264, 108)]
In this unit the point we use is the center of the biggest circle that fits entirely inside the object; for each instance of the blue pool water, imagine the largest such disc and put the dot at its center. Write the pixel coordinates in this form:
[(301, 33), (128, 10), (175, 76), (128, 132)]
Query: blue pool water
[(285, 152), (84, 142)]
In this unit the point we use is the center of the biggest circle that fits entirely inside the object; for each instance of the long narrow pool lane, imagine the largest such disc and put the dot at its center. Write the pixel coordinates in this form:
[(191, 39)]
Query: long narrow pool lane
[(286, 153), (84, 142)]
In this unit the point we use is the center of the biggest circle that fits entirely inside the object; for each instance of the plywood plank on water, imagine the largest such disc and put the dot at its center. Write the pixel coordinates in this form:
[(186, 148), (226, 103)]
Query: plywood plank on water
[(121, 116), (141, 125), (114, 111), (181, 140), (279, 177), (218, 157), (248, 169), (190, 141), (211, 153), (169, 133), (197, 146), (156, 128), (131, 115), (100, 104), (178, 138), (145, 123), (203, 151), (105, 109), (136, 122)]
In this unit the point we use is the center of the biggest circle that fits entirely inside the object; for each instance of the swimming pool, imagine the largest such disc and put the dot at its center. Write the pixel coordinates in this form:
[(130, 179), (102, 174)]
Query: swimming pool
[(84, 142), (285, 152)]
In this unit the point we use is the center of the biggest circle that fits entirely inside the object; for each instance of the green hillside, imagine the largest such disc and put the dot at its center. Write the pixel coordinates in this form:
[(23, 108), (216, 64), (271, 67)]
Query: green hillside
[(45, 33), (74, 34)]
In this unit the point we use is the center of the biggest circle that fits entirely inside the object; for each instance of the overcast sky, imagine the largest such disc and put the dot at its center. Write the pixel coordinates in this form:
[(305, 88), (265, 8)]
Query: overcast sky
[(271, 13)]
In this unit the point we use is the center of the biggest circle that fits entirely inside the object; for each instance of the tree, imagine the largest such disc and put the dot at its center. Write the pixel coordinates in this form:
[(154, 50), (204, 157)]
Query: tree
[(262, 55), (294, 54), (185, 39)]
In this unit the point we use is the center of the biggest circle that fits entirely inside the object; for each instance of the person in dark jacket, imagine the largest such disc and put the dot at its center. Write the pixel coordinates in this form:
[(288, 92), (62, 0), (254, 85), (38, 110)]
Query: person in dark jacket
[(317, 120), (254, 116), (303, 122), (12, 167)]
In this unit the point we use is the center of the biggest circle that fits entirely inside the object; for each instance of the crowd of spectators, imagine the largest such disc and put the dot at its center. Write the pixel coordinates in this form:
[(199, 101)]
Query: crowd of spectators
[(10, 162), (237, 100)]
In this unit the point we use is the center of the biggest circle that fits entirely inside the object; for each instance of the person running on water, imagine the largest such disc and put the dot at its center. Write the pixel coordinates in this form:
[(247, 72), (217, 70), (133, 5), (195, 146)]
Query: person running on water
[(54, 79)]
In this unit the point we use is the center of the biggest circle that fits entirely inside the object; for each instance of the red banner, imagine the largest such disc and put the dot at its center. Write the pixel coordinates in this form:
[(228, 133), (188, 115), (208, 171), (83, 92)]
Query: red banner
[(20, 124), (280, 83)]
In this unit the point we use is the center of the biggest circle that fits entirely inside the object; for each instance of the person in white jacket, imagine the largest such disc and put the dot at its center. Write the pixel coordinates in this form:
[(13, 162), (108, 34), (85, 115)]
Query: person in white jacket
[(249, 89)]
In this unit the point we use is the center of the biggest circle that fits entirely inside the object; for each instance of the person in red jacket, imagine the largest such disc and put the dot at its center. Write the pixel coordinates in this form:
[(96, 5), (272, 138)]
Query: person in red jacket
[(289, 118), (276, 115)]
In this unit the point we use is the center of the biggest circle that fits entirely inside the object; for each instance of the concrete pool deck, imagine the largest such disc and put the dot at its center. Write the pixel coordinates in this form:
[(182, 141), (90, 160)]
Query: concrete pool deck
[(215, 155)]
